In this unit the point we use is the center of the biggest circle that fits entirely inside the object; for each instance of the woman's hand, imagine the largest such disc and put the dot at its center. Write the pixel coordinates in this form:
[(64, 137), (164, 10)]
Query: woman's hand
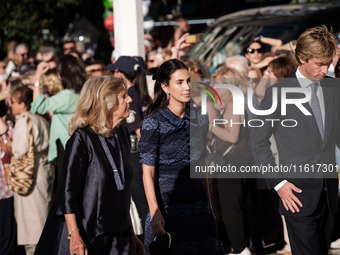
[(42, 68), (157, 221), (77, 245), (138, 247), (157, 224)]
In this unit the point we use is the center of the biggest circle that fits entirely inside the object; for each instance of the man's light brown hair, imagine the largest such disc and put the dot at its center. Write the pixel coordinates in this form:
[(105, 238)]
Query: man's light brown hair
[(318, 42)]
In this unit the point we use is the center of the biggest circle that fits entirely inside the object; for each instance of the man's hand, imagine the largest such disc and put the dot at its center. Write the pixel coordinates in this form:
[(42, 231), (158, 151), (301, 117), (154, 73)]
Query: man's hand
[(179, 45), (42, 68), (289, 200)]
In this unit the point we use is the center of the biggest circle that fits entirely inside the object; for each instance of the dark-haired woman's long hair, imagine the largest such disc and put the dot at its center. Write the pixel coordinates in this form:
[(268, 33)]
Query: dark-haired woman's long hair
[(141, 86), (163, 76), (72, 72), (140, 83)]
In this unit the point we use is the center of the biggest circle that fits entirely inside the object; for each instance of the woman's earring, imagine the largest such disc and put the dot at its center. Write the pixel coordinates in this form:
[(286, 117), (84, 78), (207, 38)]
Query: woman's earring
[(167, 95)]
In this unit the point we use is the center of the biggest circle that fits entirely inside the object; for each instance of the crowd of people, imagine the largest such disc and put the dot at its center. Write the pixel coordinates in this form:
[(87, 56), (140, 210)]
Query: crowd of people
[(112, 145)]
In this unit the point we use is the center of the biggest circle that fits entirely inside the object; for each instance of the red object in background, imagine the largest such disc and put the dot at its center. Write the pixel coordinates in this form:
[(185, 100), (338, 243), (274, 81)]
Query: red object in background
[(112, 40), (108, 23)]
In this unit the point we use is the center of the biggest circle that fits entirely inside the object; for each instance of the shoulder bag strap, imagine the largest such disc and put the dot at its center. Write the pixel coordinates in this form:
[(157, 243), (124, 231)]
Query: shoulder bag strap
[(118, 180)]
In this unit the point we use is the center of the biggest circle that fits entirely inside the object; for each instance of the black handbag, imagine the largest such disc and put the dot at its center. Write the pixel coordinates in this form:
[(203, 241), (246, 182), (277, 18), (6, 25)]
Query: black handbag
[(161, 245)]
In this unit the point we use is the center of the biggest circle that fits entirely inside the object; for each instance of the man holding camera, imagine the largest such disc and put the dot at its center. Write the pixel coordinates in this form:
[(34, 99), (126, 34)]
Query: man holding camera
[(181, 27)]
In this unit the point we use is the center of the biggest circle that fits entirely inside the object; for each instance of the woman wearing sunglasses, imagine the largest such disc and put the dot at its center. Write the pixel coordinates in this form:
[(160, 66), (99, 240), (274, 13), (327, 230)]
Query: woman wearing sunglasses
[(255, 53)]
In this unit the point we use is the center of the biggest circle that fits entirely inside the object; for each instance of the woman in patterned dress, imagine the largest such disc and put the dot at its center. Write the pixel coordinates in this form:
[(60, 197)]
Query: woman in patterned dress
[(178, 204)]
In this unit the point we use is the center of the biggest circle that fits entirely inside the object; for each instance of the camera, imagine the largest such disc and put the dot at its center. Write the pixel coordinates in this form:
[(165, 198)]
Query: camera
[(194, 38)]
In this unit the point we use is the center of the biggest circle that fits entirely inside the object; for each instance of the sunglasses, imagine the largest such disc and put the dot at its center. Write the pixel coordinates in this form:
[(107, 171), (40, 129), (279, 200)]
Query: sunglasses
[(50, 60), (252, 51), (37, 62)]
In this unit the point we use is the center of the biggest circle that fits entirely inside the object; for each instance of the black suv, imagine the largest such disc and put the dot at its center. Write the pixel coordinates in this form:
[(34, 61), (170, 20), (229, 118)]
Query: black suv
[(229, 34)]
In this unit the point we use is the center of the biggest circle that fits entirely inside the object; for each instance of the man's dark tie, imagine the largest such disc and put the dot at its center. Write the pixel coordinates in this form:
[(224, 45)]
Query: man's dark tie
[(315, 105)]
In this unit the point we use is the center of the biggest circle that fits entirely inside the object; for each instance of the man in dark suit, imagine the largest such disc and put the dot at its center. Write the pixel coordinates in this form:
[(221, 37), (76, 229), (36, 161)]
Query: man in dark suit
[(308, 199)]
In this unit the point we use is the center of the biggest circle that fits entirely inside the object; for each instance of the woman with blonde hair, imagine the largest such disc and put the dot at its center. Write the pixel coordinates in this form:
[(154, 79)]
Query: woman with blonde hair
[(51, 84), (230, 142), (90, 213)]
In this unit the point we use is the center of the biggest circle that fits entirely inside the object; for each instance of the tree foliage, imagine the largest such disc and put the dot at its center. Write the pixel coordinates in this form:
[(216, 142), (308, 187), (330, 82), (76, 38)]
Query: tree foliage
[(25, 20)]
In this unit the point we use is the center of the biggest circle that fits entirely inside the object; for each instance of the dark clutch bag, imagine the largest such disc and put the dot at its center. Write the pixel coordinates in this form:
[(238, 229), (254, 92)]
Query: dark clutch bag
[(161, 245)]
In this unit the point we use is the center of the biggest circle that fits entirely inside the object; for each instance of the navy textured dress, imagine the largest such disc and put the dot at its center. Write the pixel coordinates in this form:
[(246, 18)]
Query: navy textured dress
[(183, 202)]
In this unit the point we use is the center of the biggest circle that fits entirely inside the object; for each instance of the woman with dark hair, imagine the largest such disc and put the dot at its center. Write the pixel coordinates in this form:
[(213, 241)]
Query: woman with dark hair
[(31, 210), (90, 212), (178, 204), (256, 54), (230, 145), (72, 74), (282, 67), (279, 68)]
